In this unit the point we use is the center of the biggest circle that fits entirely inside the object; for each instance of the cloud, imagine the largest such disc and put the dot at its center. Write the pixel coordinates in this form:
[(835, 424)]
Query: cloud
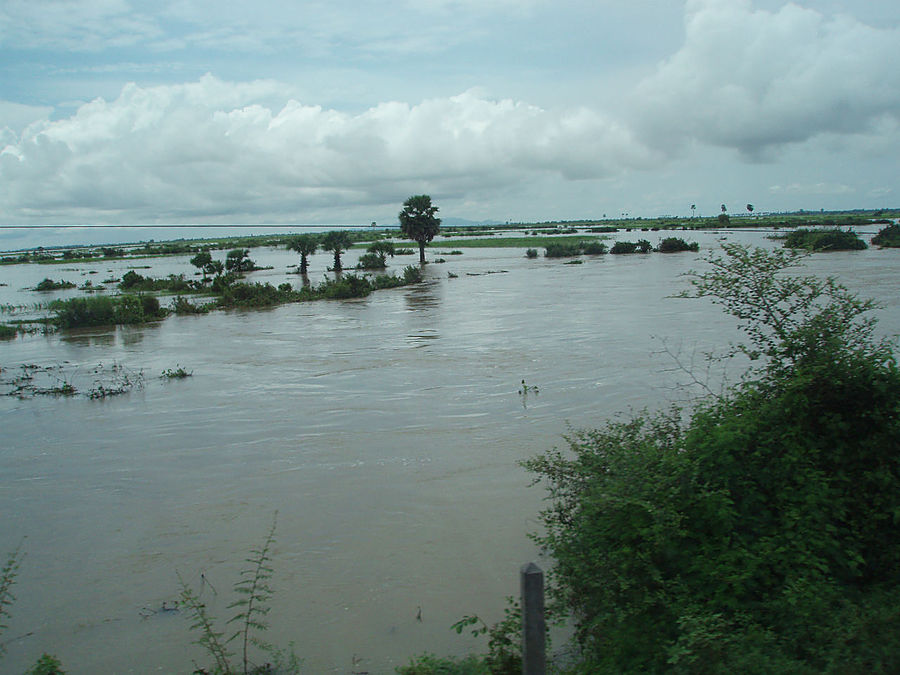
[(756, 80), (85, 25), (213, 148), (812, 189)]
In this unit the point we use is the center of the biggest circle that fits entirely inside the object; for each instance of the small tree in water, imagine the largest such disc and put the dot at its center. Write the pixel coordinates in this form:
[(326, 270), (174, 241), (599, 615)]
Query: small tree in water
[(336, 241), (305, 245)]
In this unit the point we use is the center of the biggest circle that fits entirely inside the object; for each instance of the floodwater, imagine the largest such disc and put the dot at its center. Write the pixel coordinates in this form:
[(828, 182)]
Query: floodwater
[(385, 432)]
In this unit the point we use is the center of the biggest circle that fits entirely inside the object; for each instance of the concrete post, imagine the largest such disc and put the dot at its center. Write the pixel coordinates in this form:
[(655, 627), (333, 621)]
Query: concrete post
[(534, 660)]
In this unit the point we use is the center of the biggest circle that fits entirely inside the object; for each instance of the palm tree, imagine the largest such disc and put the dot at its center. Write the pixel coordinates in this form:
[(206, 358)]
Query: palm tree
[(418, 222), (336, 241), (305, 245), (749, 208), (693, 210)]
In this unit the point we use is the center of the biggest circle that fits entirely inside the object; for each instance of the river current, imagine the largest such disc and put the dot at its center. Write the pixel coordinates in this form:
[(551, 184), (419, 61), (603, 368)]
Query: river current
[(385, 432)]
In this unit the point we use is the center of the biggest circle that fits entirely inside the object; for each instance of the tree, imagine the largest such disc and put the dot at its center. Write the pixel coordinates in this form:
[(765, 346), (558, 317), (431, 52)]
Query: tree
[(418, 222), (724, 209), (305, 245), (693, 210), (201, 261), (756, 534), (382, 249), (749, 208), (238, 261), (336, 241)]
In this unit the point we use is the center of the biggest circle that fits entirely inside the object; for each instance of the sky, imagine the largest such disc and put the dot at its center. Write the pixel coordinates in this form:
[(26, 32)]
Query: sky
[(193, 111)]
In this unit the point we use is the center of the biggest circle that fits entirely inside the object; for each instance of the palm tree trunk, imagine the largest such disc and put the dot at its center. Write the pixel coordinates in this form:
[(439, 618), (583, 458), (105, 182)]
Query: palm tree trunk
[(421, 252)]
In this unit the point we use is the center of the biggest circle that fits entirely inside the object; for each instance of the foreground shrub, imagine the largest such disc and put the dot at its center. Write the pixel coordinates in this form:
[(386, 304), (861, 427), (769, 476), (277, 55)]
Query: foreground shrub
[(831, 239), (428, 664), (758, 536), (7, 331)]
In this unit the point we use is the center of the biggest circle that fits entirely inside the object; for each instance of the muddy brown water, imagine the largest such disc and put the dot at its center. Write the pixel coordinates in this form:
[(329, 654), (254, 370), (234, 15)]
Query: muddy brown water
[(385, 432)]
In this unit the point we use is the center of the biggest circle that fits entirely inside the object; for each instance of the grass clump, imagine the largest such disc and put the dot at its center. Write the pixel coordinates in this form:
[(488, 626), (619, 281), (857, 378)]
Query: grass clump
[(828, 239), (7, 331), (429, 664)]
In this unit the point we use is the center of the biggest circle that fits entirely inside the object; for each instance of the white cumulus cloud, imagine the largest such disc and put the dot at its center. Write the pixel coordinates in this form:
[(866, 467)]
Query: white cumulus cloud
[(754, 80), (215, 148)]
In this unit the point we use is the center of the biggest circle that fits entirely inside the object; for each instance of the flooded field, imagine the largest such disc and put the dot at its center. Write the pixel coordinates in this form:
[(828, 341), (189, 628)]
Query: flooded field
[(385, 432)]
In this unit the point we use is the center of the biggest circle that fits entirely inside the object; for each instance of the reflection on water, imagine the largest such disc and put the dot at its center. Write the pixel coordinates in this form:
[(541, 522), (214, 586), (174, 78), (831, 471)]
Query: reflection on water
[(423, 297), (385, 431)]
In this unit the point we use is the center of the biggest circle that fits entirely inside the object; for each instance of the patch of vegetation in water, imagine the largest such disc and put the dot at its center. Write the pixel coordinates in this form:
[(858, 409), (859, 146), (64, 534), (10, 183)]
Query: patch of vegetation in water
[(887, 237), (106, 310), (174, 283), (626, 247), (7, 331), (676, 245), (828, 239), (50, 285)]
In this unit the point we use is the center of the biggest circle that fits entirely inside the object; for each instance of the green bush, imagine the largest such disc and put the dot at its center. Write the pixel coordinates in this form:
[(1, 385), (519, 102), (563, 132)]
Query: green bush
[(50, 285), (562, 250), (531, 253), (676, 245), (7, 331), (174, 283), (106, 310), (347, 286), (758, 533), (595, 248), (888, 237), (624, 247), (181, 305), (830, 239), (371, 261)]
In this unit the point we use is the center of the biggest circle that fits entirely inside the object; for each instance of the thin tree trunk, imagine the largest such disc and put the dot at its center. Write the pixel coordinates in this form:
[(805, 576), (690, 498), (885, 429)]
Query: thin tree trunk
[(422, 252)]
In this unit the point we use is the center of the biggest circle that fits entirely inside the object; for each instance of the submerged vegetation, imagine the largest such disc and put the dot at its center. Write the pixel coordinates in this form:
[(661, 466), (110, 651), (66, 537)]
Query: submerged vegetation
[(830, 239), (888, 237), (51, 285), (102, 381), (106, 310)]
